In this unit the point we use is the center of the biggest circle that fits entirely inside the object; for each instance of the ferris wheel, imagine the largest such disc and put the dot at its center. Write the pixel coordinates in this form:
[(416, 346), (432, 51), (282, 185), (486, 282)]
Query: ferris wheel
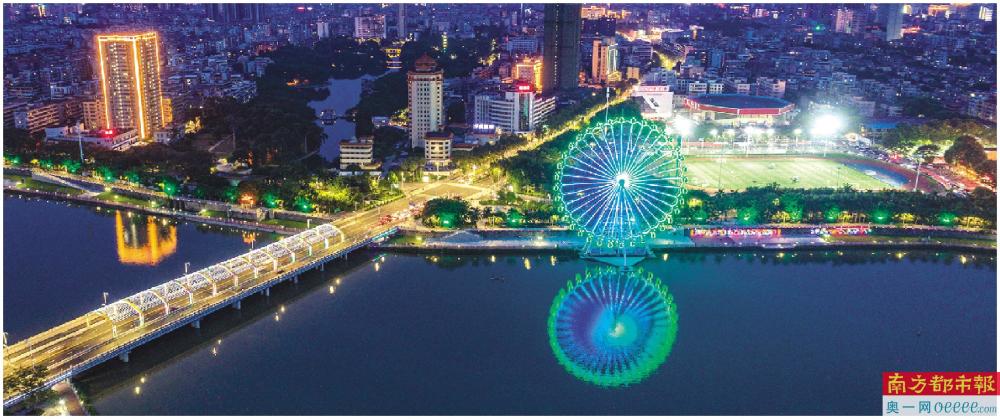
[(620, 180)]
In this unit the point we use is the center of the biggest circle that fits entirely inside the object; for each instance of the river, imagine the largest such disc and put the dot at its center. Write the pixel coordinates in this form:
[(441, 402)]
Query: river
[(60, 258), (745, 333), (344, 94), (789, 333)]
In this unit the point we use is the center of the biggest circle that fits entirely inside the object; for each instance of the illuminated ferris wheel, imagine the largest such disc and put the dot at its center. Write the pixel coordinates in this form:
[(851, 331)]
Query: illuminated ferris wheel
[(620, 180)]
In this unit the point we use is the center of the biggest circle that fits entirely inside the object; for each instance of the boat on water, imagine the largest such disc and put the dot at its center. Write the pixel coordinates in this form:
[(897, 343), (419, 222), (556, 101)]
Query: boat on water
[(328, 116)]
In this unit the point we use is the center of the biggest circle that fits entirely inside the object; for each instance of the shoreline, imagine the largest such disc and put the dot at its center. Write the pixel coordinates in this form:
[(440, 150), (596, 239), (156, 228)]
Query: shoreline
[(179, 215)]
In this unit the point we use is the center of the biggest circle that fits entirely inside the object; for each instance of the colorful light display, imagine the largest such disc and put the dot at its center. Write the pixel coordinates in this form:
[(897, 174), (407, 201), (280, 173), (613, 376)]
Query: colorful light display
[(612, 327), (620, 180)]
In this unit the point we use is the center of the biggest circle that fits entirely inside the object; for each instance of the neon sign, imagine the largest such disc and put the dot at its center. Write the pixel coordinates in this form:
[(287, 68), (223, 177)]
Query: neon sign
[(734, 232)]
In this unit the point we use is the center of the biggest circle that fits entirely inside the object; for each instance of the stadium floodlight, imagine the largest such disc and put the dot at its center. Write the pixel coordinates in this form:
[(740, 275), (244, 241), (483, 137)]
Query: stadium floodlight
[(797, 131), (770, 132), (827, 125), (683, 126), (714, 132)]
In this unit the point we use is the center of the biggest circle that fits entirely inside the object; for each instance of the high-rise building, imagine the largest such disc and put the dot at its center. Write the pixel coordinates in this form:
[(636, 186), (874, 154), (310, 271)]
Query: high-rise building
[(323, 29), (529, 70), (604, 63), (236, 12), (893, 21), (401, 22), (985, 13), (519, 111), (843, 21), (561, 67), (93, 114), (129, 66), (425, 86), (369, 27)]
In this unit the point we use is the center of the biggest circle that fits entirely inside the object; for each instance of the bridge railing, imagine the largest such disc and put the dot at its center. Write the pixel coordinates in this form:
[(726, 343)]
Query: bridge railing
[(322, 233)]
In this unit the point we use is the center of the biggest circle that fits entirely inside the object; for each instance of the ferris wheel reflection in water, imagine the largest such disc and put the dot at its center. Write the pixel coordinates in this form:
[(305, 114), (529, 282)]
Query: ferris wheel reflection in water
[(618, 183)]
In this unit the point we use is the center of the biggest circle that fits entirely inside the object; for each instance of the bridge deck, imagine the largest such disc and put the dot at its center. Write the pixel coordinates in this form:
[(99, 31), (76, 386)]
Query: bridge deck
[(110, 331)]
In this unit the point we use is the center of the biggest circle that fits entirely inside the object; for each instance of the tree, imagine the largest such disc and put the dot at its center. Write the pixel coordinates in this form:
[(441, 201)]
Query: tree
[(448, 213), (965, 151), (927, 152), (26, 379)]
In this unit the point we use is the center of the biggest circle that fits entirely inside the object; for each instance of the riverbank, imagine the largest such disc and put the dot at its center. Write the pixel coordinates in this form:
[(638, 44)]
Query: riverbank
[(145, 209), (702, 238)]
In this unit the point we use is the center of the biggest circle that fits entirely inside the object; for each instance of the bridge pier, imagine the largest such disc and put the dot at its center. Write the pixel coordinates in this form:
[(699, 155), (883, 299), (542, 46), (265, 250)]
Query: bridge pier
[(322, 266), (266, 292), (237, 305), (295, 279), (196, 324), (123, 357)]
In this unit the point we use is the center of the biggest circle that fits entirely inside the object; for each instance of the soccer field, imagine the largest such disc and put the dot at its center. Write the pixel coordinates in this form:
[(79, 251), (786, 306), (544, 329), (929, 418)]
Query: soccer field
[(793, 172)]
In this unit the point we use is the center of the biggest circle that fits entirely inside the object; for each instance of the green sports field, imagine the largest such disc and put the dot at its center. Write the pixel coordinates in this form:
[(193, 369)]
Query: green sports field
[(794, 172)]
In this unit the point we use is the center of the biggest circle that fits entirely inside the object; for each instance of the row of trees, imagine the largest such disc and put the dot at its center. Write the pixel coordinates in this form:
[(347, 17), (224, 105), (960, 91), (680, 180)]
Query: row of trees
[(967, 152), (772, 204), (905, 138)]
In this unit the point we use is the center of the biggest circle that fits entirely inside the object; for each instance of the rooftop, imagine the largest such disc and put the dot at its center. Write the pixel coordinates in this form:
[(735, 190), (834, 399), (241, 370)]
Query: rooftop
[(737, 101)]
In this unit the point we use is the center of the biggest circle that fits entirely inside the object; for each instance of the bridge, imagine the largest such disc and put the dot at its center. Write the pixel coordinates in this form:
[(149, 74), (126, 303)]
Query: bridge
[(115, 329), (118, 327)]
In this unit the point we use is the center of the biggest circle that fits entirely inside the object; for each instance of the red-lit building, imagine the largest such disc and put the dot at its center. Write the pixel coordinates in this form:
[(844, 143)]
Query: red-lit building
[(735, 109), (112, 139)]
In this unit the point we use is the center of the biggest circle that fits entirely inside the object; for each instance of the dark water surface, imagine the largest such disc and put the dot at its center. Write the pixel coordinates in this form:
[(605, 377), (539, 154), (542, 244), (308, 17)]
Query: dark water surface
[(774, 333), (59, 258)]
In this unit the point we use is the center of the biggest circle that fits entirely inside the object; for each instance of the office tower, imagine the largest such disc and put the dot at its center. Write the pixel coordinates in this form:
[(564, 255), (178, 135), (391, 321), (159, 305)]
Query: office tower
[(236, 12), (561, 62), (518, 111), (425, 86), (369, 27), (893, 21), (604, 63), (843, 21), (401, 22), (129, 66)]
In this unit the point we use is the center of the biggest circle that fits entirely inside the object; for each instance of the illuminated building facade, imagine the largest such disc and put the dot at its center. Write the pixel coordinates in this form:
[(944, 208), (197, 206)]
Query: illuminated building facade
[(131, 89), (604, 63), (529, 71), (519, 111), (425, 98)]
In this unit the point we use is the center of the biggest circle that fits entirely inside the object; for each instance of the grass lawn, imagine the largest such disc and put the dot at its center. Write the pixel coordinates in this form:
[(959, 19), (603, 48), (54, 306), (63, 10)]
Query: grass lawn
[(742, 172), (28, 182)]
